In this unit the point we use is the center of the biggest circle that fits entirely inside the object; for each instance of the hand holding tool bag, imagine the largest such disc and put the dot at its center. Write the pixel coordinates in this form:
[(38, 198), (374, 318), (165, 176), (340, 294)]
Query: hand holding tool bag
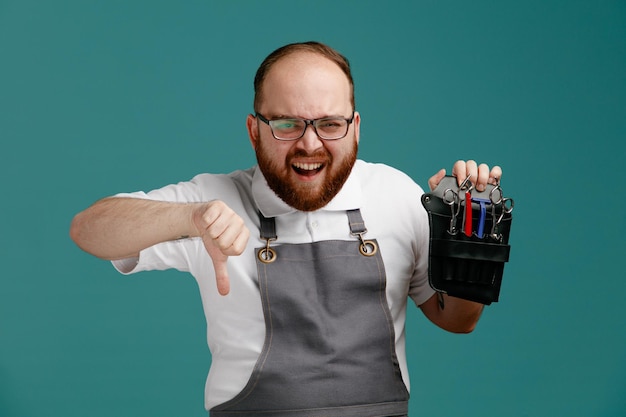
[(469, 235)]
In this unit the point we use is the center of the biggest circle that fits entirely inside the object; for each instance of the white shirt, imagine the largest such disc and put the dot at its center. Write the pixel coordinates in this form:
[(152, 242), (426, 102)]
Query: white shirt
[(393, 214)]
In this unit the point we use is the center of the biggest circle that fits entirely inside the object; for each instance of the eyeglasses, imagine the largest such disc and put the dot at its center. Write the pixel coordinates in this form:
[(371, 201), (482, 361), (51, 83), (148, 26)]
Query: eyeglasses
[(327, 128)]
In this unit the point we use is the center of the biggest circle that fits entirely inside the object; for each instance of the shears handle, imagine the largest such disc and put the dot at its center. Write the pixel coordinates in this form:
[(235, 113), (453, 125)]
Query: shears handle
[(483, 214), (468, 214)]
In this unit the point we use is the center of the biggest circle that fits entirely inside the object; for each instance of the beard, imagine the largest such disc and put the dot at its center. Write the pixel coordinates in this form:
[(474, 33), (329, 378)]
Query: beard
[(301, 195)]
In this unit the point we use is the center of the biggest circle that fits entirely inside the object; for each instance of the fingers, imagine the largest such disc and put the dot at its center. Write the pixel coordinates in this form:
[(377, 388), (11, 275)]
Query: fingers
[(436, 179), (220, 226), (479, 175), (482, 177), (464, 169), (224, 234), (495, 175)]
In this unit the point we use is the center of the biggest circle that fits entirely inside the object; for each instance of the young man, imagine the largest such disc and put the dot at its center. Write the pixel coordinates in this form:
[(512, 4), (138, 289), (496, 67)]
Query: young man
[(304, 262)]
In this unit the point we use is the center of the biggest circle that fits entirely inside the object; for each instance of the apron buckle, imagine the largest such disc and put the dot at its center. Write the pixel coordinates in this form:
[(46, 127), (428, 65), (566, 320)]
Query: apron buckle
[(367, 247), (267, 255)]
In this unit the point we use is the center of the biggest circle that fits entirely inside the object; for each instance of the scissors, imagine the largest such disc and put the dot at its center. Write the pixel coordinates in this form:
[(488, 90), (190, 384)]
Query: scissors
[(507, 205), (455, 201)]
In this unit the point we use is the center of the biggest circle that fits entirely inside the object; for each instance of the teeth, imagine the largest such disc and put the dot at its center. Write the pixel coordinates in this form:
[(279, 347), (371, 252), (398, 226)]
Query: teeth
[(307, 167)]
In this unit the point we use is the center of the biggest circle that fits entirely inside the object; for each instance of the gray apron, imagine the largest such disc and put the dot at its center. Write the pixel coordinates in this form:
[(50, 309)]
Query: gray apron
[(329, 347)]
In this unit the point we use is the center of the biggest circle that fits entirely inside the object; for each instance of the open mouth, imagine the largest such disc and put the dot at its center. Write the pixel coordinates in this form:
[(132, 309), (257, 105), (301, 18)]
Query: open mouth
[(307, 169)]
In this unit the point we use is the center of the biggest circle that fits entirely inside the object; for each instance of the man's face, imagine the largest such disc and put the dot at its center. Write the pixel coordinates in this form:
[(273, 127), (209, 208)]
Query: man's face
[(305, 173)]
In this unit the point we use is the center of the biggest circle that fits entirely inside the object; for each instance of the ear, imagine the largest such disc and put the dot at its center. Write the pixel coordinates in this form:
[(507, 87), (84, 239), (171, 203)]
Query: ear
[(357, 126), (253, 130)]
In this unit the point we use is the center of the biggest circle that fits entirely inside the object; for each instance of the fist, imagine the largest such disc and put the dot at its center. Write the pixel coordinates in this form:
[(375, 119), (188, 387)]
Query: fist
[(224, 234)]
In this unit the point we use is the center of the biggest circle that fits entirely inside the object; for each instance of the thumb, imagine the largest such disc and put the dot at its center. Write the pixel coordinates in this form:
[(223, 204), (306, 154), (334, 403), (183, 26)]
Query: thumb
[(220, 266), (436, 179)]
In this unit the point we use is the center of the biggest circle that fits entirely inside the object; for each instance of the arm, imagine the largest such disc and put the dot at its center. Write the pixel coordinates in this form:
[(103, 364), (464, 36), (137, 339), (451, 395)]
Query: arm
[(454, 314), (117, 228), (457, 316)]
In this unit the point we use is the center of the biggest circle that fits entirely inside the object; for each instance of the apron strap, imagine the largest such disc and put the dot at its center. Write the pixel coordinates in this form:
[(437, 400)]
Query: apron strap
[(268, 225), (357, 225)]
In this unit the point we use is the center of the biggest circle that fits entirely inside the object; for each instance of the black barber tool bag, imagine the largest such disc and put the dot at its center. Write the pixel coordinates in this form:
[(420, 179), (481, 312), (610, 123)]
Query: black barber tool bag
[(468, 267)]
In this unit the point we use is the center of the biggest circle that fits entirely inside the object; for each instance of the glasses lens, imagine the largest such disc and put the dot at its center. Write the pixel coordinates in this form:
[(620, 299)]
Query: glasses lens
[(291, 129), (331, 128), (287, 128)]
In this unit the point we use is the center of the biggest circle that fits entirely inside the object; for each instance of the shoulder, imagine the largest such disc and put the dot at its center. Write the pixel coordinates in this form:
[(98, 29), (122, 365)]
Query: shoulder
[(205, 187), (243, 177), (391, 196), (385, 178)]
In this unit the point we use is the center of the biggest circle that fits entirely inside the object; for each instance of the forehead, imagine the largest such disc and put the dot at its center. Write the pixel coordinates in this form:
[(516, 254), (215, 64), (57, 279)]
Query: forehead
[(303, 83)]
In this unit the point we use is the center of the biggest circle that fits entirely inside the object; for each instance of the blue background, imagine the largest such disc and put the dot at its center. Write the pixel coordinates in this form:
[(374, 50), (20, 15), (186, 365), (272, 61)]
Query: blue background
[(99, 97)]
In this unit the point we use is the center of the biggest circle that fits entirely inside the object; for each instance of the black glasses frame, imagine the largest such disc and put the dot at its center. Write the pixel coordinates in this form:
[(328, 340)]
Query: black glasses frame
[(307, 122)]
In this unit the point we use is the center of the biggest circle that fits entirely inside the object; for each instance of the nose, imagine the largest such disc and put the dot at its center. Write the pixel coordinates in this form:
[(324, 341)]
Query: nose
[(310, 141)]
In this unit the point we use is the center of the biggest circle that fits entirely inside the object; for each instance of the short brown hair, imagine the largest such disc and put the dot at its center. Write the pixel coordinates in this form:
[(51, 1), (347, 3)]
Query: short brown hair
[(311, 46)]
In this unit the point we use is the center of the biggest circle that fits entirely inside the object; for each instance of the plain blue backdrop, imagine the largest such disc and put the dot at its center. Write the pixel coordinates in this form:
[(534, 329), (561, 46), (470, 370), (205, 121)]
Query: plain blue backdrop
[(99, 97)]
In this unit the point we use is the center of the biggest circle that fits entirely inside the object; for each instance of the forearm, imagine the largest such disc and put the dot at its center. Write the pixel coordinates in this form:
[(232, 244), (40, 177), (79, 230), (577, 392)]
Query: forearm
[(453, 314), (461, 315), (116, 228)]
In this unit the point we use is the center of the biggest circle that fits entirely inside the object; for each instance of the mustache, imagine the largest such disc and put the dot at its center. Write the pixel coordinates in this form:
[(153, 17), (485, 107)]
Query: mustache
[(320, 154)]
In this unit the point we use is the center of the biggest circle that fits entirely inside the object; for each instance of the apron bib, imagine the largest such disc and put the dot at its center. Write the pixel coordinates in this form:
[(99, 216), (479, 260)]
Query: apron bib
[(329, 347)]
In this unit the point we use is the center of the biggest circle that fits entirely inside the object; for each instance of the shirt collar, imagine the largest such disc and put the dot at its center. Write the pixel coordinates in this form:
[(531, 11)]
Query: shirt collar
[(270, 205)]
